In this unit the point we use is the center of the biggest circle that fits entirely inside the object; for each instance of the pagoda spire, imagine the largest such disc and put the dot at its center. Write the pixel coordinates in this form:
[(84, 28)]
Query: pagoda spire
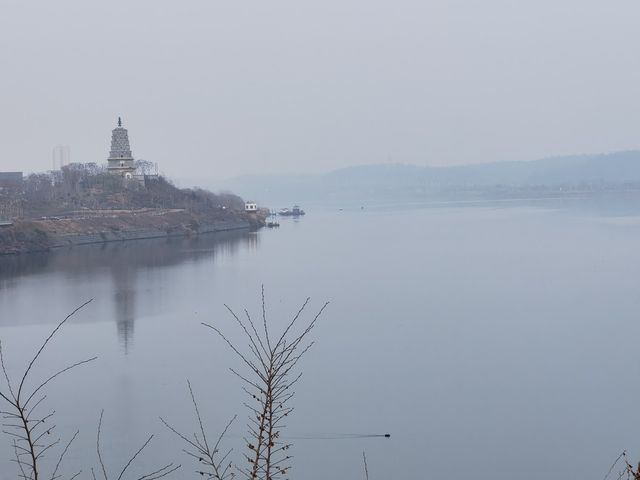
[(119, 121)]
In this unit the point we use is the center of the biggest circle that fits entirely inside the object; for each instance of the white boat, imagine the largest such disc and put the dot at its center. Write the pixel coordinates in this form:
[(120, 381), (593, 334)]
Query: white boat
[(294, 212)]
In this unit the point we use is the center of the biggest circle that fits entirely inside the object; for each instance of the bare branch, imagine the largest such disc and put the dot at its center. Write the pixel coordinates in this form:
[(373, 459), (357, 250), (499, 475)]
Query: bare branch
[(144, 445), (159, 473), (366, 469), (33, 360), (266, 458), (201, 450), (104, 470), (29, 431)]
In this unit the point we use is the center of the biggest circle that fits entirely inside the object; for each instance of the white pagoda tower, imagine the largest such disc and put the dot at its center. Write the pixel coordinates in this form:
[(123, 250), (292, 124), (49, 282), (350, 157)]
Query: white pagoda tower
[(120, 158)]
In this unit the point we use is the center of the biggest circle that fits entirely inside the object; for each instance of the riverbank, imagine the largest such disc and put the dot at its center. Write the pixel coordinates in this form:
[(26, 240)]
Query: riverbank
[(102, 226)]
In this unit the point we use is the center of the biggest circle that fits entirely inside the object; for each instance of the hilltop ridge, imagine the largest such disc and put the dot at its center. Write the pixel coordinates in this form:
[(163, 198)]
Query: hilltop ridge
[(566, 173)]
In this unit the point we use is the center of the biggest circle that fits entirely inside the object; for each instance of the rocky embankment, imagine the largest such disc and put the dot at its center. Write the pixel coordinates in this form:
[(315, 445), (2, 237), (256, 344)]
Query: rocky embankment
[(81, 228)]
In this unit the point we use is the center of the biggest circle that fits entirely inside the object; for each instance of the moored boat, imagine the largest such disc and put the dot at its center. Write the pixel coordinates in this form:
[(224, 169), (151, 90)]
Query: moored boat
[(294, 212), (273, 220)]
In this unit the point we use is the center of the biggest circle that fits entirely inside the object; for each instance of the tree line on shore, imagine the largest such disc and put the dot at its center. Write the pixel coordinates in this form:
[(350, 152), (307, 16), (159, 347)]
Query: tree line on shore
[(90, 186)]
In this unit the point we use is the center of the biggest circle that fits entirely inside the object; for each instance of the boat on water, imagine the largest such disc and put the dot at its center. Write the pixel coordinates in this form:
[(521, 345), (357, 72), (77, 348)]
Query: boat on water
[(273, 221), (295, 211)]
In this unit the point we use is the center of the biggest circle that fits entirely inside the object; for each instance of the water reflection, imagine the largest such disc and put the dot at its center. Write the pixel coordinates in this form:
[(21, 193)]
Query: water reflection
[(477, 333), (124, 300), (125, 266), (138, 254)]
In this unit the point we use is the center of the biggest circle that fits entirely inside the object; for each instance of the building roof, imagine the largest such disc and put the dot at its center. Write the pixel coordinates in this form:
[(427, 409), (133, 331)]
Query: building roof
[(10, 178)]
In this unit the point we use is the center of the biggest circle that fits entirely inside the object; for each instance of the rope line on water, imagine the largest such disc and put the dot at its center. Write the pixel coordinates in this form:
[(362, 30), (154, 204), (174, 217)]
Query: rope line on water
[(325, 436), (339, 436)]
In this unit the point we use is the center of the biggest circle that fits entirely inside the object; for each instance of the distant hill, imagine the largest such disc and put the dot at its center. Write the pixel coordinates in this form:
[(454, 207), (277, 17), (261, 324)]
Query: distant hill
[(388, 181)]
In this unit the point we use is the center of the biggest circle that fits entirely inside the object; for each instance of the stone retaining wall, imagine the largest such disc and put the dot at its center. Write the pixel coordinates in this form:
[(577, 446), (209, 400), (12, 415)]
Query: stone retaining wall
[(145, 233)]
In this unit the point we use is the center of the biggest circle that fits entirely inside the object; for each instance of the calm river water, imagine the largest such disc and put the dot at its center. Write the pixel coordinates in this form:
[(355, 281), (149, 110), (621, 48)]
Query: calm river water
[(490, 342)]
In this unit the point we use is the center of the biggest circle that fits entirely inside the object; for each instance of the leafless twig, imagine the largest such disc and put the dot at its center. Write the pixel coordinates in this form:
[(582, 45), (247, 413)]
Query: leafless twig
[(30, 430), (154, 475), (270, 362), (628, 472), (366, 469), (212, 465)]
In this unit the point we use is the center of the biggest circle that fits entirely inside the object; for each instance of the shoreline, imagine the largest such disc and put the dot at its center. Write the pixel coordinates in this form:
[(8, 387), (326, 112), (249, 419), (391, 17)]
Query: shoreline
[(134, 235), (44, 235)]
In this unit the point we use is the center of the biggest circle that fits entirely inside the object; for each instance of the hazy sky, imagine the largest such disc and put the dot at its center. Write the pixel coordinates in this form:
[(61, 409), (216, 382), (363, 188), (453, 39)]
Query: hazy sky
[(216, 88)]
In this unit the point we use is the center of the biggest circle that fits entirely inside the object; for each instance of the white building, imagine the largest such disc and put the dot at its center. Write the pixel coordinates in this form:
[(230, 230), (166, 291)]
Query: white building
[(120, 157), (251, 207)]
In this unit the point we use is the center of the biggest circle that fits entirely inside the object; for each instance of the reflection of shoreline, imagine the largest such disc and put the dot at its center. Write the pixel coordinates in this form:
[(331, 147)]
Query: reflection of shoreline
[(142, 253), (123, 263)]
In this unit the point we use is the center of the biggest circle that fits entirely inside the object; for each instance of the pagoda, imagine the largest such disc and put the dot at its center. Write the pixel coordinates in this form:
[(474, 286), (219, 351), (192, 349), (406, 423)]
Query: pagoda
[(120, 158)]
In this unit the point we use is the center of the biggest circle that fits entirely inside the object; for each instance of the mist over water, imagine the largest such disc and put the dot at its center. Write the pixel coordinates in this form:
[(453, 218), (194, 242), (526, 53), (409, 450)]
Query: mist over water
[(491, 342)]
